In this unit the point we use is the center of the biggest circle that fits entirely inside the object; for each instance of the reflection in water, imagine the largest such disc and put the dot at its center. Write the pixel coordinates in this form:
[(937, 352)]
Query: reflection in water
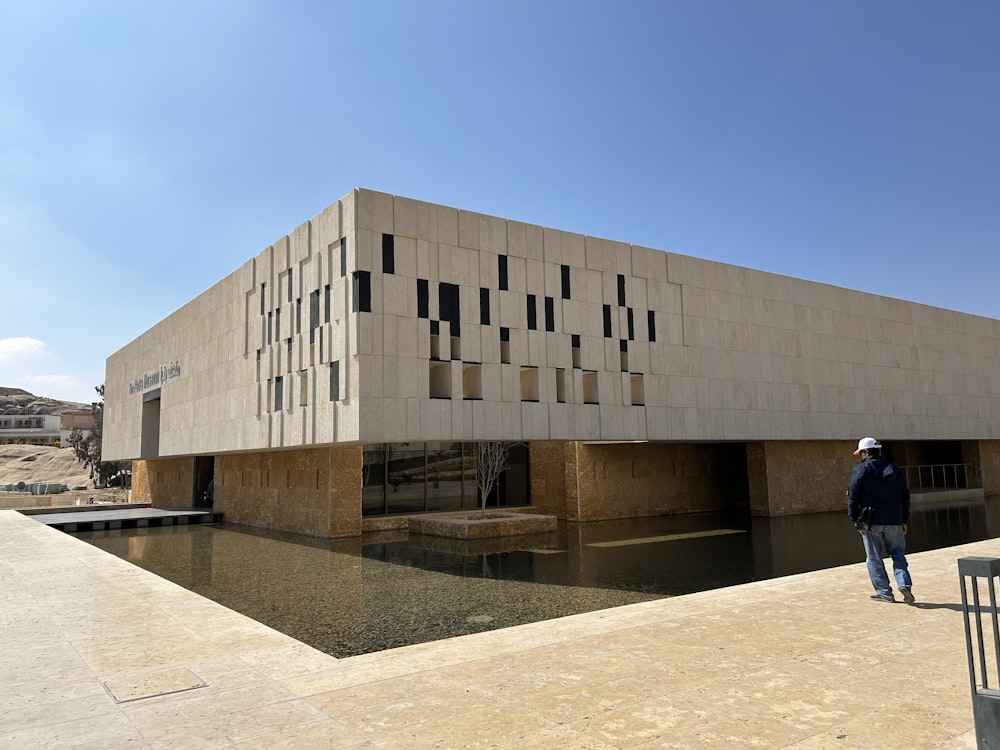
[(347, 597)]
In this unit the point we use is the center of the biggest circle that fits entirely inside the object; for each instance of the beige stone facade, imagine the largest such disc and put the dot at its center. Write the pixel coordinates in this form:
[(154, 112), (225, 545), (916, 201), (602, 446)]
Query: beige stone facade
[(639, 377)]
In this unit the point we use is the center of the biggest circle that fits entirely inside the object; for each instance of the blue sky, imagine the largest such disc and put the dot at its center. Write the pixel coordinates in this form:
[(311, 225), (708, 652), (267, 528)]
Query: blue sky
[(147, 149)]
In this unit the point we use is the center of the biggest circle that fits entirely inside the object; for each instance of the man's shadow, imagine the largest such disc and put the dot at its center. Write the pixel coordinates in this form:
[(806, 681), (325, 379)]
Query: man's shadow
[(953, 607)]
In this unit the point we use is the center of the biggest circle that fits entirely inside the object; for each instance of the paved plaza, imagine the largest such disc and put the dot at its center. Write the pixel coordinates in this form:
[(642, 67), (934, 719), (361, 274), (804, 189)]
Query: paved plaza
[(98, 653)]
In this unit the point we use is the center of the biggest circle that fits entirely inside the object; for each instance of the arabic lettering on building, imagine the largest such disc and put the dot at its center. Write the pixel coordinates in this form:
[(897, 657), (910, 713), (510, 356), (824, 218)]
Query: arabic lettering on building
[(155, 379)]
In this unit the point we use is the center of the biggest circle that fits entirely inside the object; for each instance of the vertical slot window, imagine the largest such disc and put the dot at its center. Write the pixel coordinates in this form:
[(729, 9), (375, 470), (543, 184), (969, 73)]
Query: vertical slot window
[(298, 316), (288, 282), (388, 253), (638, 391), (590, 387), (651, 325), (564, 272), (435, 340), (270, 327), (313, 315), (607, 321), (362, 287), (560, 386), (326, 303), (532, 313), (621, 290), (502, 272), (423, 299), (575, 344), (304, 388), (343, 257), (631, 324), (484, 306), (277, 323), (505, 346), (288, 348), (550, 314), (623, 351), (335, 380), (263, 297), (279, 394)]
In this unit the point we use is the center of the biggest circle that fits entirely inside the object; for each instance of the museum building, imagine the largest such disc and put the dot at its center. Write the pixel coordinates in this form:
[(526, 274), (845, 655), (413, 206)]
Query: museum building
[(336, 382)]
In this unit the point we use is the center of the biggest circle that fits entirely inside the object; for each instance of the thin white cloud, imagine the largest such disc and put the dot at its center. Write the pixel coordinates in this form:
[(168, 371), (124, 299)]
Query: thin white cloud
[(67, 381), (20, 347)]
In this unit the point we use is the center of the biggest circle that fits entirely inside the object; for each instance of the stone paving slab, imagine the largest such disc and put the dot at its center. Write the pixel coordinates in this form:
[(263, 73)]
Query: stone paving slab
[(806, 661)]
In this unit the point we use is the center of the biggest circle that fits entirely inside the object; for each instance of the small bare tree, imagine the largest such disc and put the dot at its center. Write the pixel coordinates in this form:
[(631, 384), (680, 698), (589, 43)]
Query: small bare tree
[(492, 460)]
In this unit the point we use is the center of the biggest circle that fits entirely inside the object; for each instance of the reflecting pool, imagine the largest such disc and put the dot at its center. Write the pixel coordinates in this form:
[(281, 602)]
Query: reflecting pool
[(347, 597)]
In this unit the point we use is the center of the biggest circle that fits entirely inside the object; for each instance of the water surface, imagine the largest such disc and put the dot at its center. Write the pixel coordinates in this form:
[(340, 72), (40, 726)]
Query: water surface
[(347, 597)]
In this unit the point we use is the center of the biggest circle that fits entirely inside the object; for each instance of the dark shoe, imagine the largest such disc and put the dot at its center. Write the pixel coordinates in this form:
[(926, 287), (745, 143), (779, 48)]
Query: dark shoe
[(907, 595), (883, 597)]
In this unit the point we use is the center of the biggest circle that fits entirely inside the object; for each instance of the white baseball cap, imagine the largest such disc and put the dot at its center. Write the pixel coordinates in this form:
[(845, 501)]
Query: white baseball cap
[(866, 443)]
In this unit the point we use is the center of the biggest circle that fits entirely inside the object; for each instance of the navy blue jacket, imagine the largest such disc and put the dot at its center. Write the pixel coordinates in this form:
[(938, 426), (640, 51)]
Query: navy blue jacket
[(880, 484)]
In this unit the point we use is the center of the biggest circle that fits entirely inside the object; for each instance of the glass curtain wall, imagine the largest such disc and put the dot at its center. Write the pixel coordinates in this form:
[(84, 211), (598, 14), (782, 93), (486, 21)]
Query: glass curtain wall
[(437, 476)]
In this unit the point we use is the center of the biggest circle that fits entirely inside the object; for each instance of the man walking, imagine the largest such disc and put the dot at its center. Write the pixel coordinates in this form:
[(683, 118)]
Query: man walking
[(878, 484)]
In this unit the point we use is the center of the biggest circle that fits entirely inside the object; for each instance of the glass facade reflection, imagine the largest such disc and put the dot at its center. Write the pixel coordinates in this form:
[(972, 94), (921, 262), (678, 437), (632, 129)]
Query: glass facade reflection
[(435, 476)]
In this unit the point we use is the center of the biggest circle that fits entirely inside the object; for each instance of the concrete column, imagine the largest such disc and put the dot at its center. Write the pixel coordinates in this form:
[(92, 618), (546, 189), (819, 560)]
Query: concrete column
[(312, 491), (164, 482), (989, 464), (554, 479), (788, 477)]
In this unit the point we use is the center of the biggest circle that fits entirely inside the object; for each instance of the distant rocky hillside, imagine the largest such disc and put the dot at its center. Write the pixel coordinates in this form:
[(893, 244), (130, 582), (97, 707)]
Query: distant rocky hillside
[(17, 401), (41, 463)]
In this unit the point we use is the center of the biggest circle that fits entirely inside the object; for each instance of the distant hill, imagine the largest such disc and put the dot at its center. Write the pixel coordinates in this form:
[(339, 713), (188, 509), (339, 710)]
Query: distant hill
[(18, 401), (41, 463)]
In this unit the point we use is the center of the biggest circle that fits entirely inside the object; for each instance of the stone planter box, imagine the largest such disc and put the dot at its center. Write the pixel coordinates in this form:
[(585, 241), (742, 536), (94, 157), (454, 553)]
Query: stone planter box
[(471, 525)]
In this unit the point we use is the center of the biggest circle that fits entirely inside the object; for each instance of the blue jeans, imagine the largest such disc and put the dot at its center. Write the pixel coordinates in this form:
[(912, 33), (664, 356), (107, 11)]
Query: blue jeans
[(894, 541)]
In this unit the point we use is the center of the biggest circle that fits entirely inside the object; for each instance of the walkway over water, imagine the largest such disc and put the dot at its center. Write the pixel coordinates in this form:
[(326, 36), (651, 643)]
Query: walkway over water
[(121, 518), (101, 653)]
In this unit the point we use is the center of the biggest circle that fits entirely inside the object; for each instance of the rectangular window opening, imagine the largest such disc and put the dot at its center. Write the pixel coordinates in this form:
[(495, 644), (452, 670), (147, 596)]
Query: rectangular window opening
[(304, 388), (638, 393), (472, 381), (532, 313), (440, 380), (565, 281), (484, 306), (361, 299), (343, 257), (575, 344), (590, 387), (550, 314), (505, 346), (560, 386), (623, 350), (621, 290), (529, 384), (388, 253), (335, 380), (502, 272), (279, 394), (423, 299), (651, 324), (326, 303), (607, 321)]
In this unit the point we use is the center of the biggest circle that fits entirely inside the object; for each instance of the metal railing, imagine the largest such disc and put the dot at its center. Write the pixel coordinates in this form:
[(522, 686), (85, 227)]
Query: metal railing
[(935, 477)]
